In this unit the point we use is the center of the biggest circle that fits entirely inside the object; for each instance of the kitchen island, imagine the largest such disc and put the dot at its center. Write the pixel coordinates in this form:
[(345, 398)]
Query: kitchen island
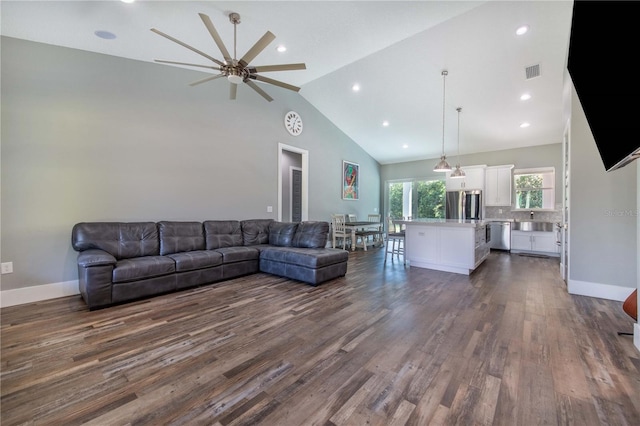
[(450, 245)]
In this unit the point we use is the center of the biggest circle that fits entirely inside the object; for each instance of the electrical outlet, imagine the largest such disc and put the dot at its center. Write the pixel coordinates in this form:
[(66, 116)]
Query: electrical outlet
[(269, 209), (7, 267)]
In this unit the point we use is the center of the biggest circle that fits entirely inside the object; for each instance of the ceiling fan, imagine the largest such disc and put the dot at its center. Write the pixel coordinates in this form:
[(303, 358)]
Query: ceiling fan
[(236, 70)]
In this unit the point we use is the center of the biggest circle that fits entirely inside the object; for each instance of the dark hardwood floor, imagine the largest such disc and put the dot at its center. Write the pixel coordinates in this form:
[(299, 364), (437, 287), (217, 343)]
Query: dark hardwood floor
[(382, 346)]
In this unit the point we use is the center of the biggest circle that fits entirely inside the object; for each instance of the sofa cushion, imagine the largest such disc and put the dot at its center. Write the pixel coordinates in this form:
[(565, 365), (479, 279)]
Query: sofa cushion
[(238, 254), (311, 235), (281, 233), (199, 259), (255, 231), (122, 240), (142, 267), (222, 233), (310, 258), (177, 237)]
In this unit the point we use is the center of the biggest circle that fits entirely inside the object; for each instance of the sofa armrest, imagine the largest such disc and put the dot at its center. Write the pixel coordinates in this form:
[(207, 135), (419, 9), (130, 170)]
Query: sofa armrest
[(95, 257), (95, 272)]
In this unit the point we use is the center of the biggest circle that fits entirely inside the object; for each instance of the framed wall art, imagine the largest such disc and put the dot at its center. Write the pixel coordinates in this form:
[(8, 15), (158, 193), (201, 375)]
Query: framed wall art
[(350, 181)]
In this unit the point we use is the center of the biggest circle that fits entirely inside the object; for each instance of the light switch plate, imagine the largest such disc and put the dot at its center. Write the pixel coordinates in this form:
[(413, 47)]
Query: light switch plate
[(7, 267)]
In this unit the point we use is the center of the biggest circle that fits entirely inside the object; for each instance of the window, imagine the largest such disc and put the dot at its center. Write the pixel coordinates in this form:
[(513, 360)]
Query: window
[(535, 188), (417, 199)]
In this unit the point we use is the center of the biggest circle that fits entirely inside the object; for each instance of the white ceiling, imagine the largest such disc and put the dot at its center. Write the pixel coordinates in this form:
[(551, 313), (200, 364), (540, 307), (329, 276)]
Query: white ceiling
[(395, 50)]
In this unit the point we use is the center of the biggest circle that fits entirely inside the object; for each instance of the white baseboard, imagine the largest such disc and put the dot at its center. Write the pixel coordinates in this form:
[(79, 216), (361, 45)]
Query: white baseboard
[(37, 293), (601, 291)]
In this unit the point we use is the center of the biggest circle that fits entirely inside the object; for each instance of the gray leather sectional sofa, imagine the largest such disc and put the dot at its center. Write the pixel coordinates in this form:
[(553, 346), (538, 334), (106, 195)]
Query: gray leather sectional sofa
[(124, 261)]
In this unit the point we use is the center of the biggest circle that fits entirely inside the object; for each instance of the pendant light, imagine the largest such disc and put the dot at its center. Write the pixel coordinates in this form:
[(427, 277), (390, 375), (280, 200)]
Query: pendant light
[(458, 172), (442, 165)]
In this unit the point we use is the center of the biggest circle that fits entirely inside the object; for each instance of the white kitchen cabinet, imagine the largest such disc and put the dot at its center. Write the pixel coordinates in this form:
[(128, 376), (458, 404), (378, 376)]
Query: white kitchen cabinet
[(498, 185), (458, 247), (534, 242), (474, 179)]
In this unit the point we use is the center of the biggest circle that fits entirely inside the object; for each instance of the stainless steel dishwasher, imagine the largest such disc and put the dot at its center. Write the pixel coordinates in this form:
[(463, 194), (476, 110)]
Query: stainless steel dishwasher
[(500, 235)]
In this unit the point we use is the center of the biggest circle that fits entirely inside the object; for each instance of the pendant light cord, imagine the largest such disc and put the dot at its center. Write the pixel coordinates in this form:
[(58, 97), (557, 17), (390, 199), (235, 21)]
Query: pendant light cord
[(459, 109), (444, 76)]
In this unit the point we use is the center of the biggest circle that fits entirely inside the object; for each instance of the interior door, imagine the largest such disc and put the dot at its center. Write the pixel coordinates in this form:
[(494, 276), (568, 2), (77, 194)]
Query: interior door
[(292, 156), (296, 194)]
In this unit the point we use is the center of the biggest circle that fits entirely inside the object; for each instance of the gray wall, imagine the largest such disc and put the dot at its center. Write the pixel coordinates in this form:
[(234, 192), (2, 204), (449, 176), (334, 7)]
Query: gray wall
[(603, 212), (90, 137)]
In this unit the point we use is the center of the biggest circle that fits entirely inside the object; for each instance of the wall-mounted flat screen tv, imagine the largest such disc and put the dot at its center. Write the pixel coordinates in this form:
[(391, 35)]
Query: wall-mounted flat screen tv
[(602, 54)]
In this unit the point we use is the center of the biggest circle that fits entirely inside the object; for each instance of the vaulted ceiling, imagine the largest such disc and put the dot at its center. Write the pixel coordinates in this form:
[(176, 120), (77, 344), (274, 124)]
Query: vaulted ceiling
[(394, 50)]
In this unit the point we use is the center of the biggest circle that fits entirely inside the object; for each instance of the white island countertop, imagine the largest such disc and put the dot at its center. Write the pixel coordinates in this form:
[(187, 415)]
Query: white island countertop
[(450, 245), (467, 223)]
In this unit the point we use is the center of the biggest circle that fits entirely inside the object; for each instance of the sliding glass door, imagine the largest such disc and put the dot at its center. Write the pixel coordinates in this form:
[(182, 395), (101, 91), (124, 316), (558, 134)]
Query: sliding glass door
[(416, 199)]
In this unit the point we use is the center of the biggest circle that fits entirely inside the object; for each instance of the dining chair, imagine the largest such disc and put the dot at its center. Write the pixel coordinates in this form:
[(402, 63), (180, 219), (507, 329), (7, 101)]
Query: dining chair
[(378, 230), (352, 217), (339, 230), (395, 242)]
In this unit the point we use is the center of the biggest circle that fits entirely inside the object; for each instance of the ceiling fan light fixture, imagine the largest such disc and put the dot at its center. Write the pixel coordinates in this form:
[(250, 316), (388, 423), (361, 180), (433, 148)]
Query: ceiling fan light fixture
[(442, 165), (236, 70), (235, 79)]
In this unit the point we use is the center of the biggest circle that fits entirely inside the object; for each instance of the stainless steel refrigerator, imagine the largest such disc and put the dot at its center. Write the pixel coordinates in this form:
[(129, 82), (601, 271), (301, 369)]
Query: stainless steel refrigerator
[(463, 205)]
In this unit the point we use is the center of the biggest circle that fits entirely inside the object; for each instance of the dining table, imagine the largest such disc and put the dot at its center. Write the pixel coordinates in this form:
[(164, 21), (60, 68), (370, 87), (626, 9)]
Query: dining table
[(361, 225)]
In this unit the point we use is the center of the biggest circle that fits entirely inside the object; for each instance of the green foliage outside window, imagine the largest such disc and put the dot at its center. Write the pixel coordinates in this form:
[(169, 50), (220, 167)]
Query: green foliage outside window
[(395, 200), (427, 199), (430, 199), (529, 191)]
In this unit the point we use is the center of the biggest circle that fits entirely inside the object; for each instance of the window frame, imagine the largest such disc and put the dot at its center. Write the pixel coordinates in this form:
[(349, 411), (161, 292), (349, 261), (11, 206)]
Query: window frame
[(549, 171)]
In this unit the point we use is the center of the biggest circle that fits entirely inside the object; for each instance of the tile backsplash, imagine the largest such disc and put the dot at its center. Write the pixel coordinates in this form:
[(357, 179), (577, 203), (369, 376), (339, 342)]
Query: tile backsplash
[(507, 213)]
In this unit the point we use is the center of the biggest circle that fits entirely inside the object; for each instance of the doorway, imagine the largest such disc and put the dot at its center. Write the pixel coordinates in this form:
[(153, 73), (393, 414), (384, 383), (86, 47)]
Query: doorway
[(293, 181), (295, 194)]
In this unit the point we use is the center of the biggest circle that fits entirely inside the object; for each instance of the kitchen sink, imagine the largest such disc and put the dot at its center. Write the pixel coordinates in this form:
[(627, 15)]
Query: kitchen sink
[(533, 226)]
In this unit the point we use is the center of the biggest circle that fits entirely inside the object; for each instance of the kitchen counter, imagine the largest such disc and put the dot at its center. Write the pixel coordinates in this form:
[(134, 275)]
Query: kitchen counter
[(450, 245), (443, 222)]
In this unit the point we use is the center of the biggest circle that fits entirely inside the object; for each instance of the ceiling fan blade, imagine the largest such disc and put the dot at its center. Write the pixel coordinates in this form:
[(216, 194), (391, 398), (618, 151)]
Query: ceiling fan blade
[(259, 90), (283, 67), (267, 38), (191, 65), (204, 80), (175, 40), (275, 82), (216, 37), (233, 90)]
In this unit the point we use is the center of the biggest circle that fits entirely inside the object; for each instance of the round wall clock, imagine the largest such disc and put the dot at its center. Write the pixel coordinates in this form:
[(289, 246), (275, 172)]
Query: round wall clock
[(293, 123)]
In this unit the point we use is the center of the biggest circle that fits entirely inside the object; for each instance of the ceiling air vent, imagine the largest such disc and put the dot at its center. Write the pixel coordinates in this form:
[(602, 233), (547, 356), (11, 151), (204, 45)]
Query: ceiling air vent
[(532, 71)]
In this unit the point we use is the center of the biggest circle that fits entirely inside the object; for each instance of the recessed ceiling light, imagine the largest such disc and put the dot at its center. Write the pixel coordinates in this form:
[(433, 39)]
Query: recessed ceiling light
[(127, 1), (522, 30), (405, 146), (355, 87), (281, 48), (525, 97), (385, 123), (107, 35), (524, 125)]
